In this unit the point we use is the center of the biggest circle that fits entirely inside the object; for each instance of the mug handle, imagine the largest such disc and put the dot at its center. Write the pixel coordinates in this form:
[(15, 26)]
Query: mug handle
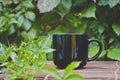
[(99, 51)]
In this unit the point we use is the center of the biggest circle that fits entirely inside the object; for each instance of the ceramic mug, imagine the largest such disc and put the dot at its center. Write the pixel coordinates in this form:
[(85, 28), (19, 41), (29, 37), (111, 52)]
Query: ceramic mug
[(72, 47)]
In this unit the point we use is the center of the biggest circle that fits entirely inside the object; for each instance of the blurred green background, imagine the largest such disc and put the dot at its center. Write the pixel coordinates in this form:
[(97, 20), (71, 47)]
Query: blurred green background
[(24, 20)]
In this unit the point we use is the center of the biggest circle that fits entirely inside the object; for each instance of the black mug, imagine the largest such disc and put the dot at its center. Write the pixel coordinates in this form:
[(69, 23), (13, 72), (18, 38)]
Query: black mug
[(72, 47)]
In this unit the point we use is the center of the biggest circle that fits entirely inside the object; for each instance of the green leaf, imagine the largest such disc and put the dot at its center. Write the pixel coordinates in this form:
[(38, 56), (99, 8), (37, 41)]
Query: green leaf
[(28, 4), (101, 29), (13, 21), (50, 18), (70, 67), (74, 77), (20, 20), (11, 30), (25, 35), (30, 15), (82, 28), (59, 29), (103, 2), (93, 50), (27, 24), (47, 50), (53, 71), (114, 54), (64, 7), (1, 7), (78, 2), (13, 56), (47, 5), (116, 28), (89, 12), (113, 3), (3, 21)]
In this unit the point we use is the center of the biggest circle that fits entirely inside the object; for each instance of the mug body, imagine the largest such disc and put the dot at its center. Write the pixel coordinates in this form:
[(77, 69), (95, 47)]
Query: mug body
[(68, 48)]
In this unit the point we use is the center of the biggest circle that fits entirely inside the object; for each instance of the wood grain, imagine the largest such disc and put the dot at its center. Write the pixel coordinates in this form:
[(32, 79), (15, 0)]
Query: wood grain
[(94, 70)]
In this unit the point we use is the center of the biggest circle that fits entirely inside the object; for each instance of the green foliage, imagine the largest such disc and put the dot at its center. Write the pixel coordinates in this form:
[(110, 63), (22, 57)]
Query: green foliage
[(16, 16), (46, 5), (67, 72), (114, 54), (116, 28), (27, 59), (111, 3), (89, 12), (64, 7), (21, 23)]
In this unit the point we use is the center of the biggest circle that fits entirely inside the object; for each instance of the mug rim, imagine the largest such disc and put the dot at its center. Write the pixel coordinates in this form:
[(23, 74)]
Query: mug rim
[(65, 34)]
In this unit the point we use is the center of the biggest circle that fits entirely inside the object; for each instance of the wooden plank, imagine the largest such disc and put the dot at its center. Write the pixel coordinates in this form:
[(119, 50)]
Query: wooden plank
[(94, 70)]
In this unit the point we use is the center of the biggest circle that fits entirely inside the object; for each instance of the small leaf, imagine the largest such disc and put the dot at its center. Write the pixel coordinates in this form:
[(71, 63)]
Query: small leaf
[(13, 56), (13, 21), (28, 4), (20, 20), (103, 2), (3, 20), (53, 71), (27, 24), (47, 50), (113, 3), (78, 2), (70, 67), (89, 12), (47, 5), (101, 29), (30, 15), (1, 7), (114, 54), (52, 15), (82, 28), (116, 28), (74, 77), (9, 50), (64, 7), (11, 30), (25, 35)]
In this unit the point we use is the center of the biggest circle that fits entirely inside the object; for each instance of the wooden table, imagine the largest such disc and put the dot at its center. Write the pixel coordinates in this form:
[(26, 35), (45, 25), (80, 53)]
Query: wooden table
[(94, 70)]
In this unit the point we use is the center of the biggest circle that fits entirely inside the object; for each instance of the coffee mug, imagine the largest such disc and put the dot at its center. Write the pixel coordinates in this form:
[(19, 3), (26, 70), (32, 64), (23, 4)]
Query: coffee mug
[(72, 47)]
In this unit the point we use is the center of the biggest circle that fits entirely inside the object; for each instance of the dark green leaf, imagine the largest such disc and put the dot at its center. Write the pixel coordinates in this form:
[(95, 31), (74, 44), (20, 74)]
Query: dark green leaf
[(20, 20), (30, 15), (27, 24), (78, 2), (11, 30), (64, 7), (50, 18), (25, 35), (13, 21), (116, 28), (1, 7), (47, 5), (82, 28), (28, 4), (113, 3), (103, 2), (89, 12), (3, 21)]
